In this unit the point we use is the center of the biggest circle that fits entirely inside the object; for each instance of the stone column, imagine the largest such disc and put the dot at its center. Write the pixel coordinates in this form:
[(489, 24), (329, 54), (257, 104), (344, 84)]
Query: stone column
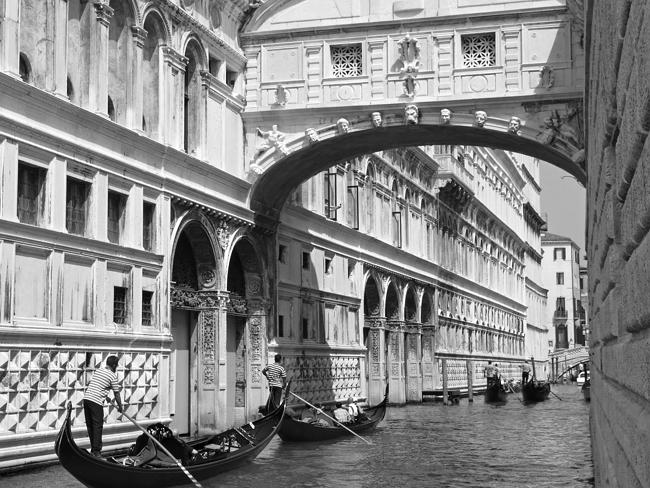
[(55, 195), (203, 114), (445, 63), (10, 37), (395, 362), (162, 245), (135, 291), (174, 87), (512, 59), (7, 267), (61, 48), (133, 218), (98, 86), (413, 355), (135, 97), (207, 401), (99, 280), (376, 360), (376, 69), (9, 179), (97, 223), (314, 76), (252, 77)]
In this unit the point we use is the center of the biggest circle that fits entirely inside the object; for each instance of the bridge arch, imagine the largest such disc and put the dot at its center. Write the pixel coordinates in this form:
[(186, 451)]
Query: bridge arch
[(282, 162)]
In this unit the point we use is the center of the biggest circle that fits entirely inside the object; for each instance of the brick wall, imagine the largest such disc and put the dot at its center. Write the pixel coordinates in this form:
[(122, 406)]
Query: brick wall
[(618, 220)]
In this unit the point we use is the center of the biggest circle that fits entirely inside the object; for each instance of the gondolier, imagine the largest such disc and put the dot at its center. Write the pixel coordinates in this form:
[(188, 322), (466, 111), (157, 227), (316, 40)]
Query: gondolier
[(102, 381), (525, 372), (277, 376)]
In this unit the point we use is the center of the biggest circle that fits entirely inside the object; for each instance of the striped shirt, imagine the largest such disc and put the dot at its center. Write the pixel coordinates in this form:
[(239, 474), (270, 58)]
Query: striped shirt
[(102, 381), (274, 373)]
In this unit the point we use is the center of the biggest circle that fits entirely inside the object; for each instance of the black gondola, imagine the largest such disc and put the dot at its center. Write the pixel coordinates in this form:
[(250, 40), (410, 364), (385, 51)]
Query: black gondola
[(586, 390), (495, 391), (214, 454), (294, 430), (536, 391)]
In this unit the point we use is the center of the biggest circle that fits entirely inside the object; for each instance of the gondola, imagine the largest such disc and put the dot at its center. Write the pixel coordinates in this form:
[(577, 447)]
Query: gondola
[(586, 391), (211, 455), (495, 392), (535, 391), (294, 430)]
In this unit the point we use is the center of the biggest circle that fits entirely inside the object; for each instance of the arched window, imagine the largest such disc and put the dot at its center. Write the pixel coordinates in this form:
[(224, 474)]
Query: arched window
[(69, 90), (370, 200), (111, 109), (151, 63), (192, 99)]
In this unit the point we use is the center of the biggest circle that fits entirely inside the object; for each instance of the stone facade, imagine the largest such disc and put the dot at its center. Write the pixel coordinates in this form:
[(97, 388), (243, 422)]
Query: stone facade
[(618, 113)]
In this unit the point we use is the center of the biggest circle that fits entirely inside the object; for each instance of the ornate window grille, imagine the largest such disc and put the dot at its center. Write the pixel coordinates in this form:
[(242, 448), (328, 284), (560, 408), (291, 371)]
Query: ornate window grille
[(147, 308), (479, 50), (347, 60), (119, 305), (30, 194), (76, 206)]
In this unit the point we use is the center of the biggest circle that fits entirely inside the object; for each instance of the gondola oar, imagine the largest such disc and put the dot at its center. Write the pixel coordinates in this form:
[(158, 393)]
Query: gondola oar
[(164, 449), (331, 418), (556, 396)]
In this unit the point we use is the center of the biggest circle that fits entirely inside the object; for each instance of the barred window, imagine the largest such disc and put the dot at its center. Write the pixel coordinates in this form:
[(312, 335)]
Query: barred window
[(147, 314), (119, 305), (116, 207), (30, 194), (479, 50), (346, 60), (76, 206)]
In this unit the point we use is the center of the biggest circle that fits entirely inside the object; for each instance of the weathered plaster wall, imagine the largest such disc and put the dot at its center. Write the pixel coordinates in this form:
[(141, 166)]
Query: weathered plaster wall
[(618, 220)]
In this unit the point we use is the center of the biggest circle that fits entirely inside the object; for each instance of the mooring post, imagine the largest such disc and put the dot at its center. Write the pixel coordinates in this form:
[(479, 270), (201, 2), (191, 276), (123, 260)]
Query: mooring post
[(445, 394), (470, 380)]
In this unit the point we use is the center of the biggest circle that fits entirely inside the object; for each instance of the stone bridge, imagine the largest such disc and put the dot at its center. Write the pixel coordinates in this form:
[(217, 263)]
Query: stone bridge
[(568, 359)]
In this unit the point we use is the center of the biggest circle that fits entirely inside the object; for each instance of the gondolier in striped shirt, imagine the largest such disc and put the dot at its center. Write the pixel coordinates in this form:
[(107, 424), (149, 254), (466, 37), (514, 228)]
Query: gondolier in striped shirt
[(277, 376), (103, 381)]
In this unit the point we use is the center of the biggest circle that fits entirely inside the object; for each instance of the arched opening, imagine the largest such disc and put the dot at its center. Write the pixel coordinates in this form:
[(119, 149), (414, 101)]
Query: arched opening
[(24, 69), (244, 329), (69, 90), (410, 306), (120, 52), (151, 69), (192, 99), (193, 327), (110, 108), (373, 336)]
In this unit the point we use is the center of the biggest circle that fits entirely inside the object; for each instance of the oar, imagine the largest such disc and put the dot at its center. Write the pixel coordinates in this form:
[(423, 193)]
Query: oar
[(318, 409), (164, 449), (556, 396)]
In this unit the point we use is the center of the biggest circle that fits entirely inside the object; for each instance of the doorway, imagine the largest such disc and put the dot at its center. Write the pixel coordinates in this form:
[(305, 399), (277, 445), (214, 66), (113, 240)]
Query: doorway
[(184, 377), (236, 360)]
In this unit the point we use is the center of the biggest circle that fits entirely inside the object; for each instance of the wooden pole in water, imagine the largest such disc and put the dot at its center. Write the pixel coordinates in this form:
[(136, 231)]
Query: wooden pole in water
[(470, 380), (445, 394)]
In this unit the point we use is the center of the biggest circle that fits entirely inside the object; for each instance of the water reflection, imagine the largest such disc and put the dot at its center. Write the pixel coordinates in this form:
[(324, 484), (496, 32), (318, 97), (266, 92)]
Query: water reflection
[(467, 445)]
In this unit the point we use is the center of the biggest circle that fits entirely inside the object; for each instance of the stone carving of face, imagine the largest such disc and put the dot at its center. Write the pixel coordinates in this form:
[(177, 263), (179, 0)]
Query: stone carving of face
[(480, 117), (376, 119), (445, 116), (514, 125), (312, 135), (411, 114), (343, 126)]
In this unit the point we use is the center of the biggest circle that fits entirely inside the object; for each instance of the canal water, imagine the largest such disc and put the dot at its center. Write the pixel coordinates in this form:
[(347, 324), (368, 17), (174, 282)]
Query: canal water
[(474, 445)]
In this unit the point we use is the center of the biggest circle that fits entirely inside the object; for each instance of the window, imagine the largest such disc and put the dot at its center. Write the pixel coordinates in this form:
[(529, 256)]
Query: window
[(147, 308), (111, 109), (559, 303), (280, 325), (559, 278), (148, 212), (214, 65), (231, 78), (282, 253), (119, 305), (328, 266), (305, 260), (116, 207), (353, 206), (577, 257), (24, 69), (347, 60), (305, 328), (331, 206), (397, 229), (478, 50), (559, 253), (76, 207), (30, 194)]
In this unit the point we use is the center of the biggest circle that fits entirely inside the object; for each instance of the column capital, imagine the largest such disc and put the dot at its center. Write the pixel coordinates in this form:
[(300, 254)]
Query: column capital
[(103, 13), (139, 35), (174, 58)]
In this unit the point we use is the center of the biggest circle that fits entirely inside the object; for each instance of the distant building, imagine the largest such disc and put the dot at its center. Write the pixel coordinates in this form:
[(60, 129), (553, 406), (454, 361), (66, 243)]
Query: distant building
[(560, 274), (584, 301)]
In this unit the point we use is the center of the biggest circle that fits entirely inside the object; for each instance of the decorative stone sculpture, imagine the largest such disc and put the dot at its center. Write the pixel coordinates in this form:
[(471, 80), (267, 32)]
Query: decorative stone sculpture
[(409, 86), (312, 135), (515, 125), (272, 139), (280, 96), (480, 118), (412, 114), (376, 120), (445, 116), (546, 77), (409, 54), (342, 126)]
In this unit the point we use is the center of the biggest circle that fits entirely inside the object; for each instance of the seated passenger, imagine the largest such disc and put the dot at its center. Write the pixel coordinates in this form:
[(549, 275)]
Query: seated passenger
[(353, 409), (341, 414)]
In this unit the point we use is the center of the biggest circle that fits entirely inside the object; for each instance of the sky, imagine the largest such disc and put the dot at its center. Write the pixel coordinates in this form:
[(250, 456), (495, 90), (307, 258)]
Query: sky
[(564, 200)]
